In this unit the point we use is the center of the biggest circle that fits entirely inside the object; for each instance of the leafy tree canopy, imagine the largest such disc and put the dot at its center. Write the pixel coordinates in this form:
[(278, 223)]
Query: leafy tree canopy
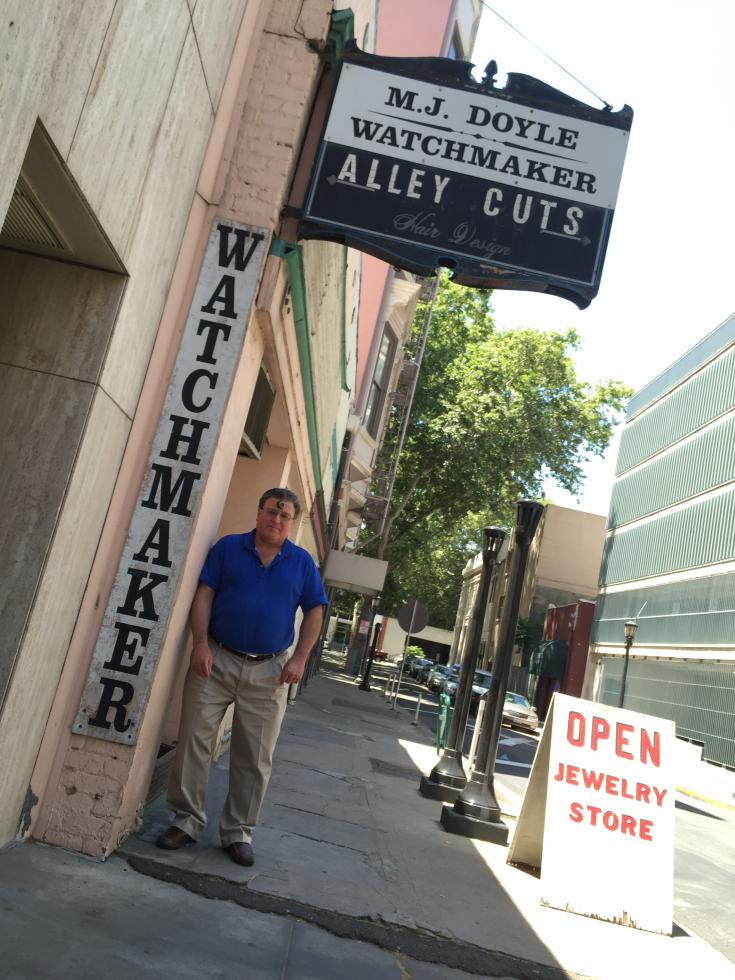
[(496, 412)]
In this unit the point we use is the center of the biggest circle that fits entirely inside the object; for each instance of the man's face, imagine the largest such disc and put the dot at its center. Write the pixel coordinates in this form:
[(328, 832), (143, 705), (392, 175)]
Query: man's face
[(274, 521)]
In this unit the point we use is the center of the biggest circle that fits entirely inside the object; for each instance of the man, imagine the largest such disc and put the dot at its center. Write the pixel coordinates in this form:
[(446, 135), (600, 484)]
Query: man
[(242, 623)]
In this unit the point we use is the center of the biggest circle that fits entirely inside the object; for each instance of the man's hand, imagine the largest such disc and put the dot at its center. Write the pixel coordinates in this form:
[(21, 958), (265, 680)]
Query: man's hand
[(308, 635), (293, 669), (201, 610), (201, 659)]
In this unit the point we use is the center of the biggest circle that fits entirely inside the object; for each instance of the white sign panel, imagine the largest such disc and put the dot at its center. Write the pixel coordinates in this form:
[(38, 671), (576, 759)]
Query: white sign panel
[(608, 837), (477, 135), (138, 611), (344, 570)]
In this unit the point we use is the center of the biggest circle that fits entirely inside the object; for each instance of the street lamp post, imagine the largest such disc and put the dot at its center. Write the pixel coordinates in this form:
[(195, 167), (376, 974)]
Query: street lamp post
[(365, 682), (476, 812), (629, 631), (448, 777)]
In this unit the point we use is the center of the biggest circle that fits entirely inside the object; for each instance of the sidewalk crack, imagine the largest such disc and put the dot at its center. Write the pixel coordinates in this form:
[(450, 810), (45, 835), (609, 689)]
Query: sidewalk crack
[(284, 972), (317, 840), (322, 772), (316, 813)]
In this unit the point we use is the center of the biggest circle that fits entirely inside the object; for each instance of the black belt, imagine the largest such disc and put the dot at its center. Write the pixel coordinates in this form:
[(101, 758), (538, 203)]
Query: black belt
[(253, 657)]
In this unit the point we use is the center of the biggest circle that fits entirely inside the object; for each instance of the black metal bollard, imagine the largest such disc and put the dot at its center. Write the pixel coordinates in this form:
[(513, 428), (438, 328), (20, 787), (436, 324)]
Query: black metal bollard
[(365, 682), (476, 812), (447, 777)]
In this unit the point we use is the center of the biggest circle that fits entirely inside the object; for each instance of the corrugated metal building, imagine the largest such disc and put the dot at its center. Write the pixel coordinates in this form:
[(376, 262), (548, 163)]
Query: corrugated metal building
[(669, 556)]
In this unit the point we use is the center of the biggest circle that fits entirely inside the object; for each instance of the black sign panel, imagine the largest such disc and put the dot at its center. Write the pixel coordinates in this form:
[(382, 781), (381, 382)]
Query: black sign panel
[(489, 222), (510, 188)]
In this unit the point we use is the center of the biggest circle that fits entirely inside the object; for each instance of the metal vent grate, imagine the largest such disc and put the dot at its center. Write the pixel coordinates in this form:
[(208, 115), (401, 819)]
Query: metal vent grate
[(26, 221)]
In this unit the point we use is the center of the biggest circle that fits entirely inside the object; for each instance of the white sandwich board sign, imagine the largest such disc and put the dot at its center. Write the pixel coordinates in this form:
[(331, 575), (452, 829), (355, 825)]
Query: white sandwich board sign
[(598, 815)]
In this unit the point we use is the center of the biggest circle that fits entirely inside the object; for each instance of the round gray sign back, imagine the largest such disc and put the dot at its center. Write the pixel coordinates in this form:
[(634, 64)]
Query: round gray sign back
[(413, 616)]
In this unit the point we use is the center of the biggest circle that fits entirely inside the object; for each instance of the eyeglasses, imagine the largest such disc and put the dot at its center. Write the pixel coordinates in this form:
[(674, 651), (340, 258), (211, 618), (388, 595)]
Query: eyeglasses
[(278, 514)]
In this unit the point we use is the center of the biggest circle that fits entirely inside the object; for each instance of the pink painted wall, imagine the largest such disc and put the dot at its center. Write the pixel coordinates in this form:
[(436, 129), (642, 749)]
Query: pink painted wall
[(411, 29), (372, 286)]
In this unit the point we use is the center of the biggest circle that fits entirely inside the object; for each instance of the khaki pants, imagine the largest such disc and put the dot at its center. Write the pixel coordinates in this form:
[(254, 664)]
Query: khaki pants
[(260, 701)]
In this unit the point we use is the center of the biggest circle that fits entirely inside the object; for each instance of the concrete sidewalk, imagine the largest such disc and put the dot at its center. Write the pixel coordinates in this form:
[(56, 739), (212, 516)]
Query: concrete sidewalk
[(354, 876), (68, 916)]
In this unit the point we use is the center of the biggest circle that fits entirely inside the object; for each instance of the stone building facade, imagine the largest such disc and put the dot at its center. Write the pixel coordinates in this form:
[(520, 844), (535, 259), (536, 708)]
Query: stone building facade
[(168, 351), (149, 151)]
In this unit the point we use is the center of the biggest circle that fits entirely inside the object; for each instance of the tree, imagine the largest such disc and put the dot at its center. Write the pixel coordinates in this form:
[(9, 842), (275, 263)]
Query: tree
[(495, 413), (428, 566)]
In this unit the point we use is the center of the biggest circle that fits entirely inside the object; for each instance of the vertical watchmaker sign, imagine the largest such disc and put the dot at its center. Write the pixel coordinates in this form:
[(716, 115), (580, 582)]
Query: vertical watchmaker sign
[(138, 611), (425, 167)]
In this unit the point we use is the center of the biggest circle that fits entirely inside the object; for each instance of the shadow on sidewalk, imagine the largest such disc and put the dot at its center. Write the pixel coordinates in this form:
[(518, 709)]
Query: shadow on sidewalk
[(347, 842)]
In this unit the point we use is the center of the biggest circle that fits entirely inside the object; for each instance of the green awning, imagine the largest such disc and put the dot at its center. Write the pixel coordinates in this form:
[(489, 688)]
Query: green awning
[(549, 659)]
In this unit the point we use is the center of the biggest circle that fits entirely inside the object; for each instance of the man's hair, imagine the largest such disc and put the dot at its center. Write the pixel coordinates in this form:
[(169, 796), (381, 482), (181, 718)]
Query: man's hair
[(281, 493)]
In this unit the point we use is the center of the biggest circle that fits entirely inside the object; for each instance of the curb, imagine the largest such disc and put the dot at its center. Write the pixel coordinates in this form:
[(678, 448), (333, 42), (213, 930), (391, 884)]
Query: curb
[(417, 944), (693, 794)]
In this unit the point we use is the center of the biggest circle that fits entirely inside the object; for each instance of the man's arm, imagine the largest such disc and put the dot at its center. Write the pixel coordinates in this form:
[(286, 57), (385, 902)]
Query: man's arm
[(201, 610), (311, 624)]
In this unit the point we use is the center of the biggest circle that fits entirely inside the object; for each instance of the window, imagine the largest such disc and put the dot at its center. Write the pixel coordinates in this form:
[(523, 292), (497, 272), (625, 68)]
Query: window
[(379, 384), (259, 415), (455, 49)]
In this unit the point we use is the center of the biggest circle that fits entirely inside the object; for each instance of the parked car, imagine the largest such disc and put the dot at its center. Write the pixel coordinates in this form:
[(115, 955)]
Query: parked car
[(421, 668), (480, 686), (410, 657), (437, 676), (427, 672), (518, 713), (449, 684)]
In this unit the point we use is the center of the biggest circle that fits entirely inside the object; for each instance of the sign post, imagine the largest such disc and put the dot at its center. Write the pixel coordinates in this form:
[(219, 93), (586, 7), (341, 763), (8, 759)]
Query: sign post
[(412, 617), (598, 814)]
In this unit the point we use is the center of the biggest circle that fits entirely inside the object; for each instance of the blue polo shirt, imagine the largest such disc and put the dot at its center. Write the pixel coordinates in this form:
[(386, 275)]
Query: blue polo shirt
[(254, 607)]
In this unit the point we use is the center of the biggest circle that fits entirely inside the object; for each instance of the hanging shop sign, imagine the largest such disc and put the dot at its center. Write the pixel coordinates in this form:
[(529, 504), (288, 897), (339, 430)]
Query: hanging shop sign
[(355, 573), (424, 167), (140, 605), (598, 814)]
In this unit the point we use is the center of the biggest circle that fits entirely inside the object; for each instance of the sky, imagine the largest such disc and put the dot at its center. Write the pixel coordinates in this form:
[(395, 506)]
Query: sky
[(669, 275)]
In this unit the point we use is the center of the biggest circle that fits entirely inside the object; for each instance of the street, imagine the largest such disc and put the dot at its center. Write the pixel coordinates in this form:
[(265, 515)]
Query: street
[(704, 872), (332, 343), (704, 857), (354, 876)]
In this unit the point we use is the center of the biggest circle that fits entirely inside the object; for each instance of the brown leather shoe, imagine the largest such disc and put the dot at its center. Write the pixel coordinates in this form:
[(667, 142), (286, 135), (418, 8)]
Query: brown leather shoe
[(241, 853), (174, 838)]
